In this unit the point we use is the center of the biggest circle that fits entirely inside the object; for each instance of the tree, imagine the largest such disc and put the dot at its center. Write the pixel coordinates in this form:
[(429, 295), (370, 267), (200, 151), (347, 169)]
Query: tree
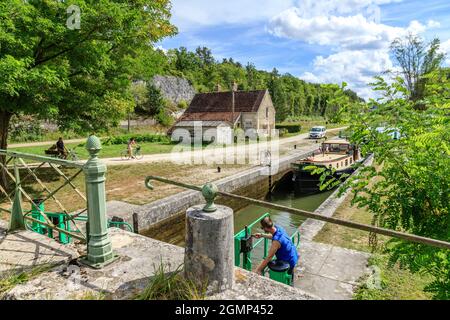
[(408, 186), (79, 77), (416, 60)]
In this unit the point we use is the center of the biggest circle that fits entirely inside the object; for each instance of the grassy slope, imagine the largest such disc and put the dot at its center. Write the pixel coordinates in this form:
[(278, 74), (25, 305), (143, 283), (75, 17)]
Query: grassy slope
[(397, 283)]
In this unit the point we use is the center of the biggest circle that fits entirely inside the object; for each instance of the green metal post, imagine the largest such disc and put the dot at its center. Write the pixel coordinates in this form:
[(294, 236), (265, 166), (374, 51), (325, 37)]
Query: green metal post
[(17, 222), (99, 248)]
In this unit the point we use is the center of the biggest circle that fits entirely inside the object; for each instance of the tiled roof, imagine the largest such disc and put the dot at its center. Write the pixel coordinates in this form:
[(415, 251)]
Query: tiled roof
[(209, 116), (245, 101)]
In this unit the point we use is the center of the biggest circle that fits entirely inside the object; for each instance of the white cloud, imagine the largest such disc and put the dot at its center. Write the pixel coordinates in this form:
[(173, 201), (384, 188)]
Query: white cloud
[(346, 32), (354, 67), (192, 13), (313, 8), (445, 48), (351, 28)]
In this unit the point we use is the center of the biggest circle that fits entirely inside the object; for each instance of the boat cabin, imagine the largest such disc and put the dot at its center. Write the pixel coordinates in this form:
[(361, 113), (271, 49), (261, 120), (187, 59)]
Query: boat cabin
[(338, 154)]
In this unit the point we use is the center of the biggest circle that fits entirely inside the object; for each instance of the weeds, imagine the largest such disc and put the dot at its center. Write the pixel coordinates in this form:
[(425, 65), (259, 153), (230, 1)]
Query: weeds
[(165, 285), (12, 278)]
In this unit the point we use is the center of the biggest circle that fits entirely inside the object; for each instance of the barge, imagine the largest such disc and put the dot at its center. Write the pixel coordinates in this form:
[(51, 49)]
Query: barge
[(338, 156)]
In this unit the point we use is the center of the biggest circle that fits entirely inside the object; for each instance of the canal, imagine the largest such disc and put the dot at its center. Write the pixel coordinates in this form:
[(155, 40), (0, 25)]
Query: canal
[(174, 231)]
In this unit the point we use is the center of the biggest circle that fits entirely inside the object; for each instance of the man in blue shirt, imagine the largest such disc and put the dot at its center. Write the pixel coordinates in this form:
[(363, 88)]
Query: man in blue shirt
[(282, 246)]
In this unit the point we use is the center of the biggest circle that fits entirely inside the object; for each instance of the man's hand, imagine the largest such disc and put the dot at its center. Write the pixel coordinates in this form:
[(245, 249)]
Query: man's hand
[(257, 235)]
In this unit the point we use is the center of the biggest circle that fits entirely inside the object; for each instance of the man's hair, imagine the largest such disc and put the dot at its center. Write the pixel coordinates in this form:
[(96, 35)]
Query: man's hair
[(267, 223)]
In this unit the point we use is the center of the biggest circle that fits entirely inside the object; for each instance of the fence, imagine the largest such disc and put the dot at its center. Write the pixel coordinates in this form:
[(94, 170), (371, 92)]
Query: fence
[(99, 249)]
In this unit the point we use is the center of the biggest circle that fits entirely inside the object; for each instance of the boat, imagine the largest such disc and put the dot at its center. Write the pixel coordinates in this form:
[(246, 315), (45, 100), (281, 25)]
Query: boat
[(337, 154)]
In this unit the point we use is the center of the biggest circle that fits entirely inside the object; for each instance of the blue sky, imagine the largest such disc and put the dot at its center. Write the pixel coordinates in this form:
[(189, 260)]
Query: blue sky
[(316, 40)]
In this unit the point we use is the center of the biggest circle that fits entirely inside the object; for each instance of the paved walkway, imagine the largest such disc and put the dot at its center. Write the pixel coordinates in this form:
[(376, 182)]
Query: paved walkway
[(329, 272), (26, 249), (43, 143), (232, 152)]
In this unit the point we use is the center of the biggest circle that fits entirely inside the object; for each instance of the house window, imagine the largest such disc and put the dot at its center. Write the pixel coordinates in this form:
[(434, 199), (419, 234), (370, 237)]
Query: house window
[(337, 165), (351, 160), (267, 112), (346, 162)]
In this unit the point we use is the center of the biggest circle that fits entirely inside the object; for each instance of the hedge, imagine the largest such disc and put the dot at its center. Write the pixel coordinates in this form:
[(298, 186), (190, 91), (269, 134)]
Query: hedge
[(291, 128), (123, 139)]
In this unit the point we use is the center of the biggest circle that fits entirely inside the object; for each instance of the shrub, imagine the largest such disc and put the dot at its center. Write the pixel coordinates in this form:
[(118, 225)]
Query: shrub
[(283, 132), (123, 139), (291, 128), (182, 104), (23, 130)]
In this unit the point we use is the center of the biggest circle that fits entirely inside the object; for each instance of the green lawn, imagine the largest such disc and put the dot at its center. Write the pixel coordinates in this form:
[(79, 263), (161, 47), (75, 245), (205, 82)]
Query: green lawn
[(396, 282), (108, 151)]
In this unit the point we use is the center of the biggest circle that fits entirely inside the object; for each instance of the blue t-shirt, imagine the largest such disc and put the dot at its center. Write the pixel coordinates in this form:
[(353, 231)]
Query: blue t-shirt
[(287, 251)]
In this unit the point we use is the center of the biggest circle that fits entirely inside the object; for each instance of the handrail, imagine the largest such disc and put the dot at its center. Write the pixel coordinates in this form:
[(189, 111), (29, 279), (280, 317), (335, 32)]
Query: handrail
[(16, 154), (315, 216)]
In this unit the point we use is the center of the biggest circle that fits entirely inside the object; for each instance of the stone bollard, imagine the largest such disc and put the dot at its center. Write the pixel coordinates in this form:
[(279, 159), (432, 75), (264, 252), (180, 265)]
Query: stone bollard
[(209, 250)]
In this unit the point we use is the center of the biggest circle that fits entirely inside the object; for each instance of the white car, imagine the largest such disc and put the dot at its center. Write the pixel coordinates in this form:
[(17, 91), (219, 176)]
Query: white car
[(317, 132)]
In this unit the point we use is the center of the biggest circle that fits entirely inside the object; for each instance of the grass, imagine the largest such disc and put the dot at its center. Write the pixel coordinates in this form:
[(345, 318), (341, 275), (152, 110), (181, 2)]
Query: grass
[(396, 283), (165, 285), (108, 151), (10, 279)]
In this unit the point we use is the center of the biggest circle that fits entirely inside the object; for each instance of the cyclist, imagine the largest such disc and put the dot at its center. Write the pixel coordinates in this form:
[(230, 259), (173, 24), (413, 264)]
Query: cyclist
[(61, 148), (131, 144)]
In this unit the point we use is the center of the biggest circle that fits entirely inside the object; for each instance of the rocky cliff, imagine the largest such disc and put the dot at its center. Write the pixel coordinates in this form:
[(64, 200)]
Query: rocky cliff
[(174, 89)]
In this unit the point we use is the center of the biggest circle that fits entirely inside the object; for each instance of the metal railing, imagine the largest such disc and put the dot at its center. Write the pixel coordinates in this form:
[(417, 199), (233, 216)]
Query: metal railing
[(306, 214), (99, 248), (247, 256), (16, 183)]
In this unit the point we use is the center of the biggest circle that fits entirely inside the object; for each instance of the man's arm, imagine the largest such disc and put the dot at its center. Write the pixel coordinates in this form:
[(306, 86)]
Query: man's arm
[(273, 249), (263, 235)]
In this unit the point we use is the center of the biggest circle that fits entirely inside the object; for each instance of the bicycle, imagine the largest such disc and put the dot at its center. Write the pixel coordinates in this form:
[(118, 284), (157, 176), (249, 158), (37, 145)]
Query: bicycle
[(136, 154), (71, 155)]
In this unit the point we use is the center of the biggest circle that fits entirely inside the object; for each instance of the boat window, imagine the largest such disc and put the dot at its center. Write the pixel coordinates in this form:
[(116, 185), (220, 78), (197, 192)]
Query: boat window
[(334, 147), (343, 147)]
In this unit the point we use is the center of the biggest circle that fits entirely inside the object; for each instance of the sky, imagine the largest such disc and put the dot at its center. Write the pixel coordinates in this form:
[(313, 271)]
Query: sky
[(320, 41)]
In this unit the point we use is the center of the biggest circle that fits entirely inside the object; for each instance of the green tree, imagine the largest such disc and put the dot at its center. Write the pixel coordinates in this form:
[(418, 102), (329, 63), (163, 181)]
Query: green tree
[(408, 186), (79, 77), (416, 60)]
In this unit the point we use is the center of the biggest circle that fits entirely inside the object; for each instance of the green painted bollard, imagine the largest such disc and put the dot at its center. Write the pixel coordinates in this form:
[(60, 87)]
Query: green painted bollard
[(17, 222), (99, 248)]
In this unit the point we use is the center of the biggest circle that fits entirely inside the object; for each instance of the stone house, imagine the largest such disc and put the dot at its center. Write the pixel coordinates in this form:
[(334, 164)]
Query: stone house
[(213, 116)]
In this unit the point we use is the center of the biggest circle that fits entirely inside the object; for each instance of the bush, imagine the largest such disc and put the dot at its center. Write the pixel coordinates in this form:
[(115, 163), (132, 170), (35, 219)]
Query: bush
[(291, 128), (164, 119), (24, 130), (183, 104), (123, 139), (283, 132)]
